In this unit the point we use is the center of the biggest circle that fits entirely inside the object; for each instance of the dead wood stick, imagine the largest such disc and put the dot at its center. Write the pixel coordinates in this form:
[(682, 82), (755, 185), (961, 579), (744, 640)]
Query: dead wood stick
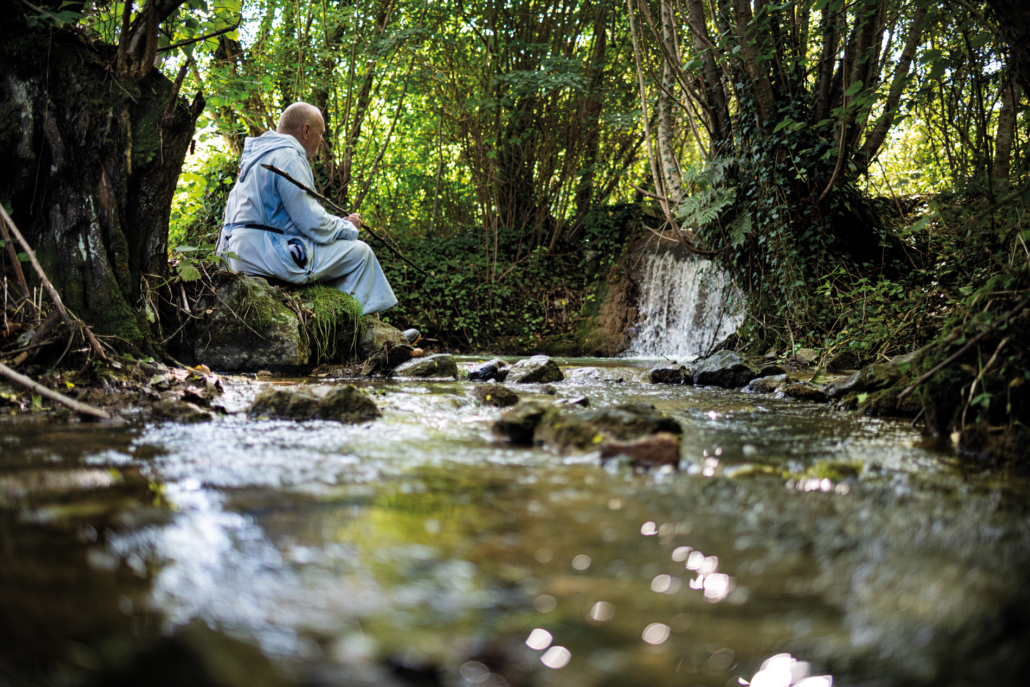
[(50, 287), (80, 408), (334, 206), (958, 354), (12, 252)]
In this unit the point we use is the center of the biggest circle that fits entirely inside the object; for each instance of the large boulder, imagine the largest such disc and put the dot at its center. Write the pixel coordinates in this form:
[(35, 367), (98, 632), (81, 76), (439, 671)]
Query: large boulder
[(726, 369), (246, 326), (441, 365), (584, 430), (539, 369), (340, 403)]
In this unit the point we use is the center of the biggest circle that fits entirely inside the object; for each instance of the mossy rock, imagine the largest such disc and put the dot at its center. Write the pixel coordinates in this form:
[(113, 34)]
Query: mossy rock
[(441, 365), (495, 395), (249, 327), (587, 429), (341, 403), (538, 369)]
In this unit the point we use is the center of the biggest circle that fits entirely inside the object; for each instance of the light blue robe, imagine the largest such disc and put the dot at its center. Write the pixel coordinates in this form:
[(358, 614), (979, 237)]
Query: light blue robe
[(334, 255)]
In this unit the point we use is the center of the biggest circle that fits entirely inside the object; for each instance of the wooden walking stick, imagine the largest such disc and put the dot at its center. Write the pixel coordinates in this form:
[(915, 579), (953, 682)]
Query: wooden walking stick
[(337, 208)]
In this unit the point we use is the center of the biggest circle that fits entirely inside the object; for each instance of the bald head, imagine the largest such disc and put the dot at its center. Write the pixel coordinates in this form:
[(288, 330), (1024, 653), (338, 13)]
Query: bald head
[(304, 122)]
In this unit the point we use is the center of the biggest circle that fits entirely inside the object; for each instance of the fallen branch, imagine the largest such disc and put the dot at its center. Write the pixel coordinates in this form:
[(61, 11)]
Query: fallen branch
[(958, 354), (12, 253), (50, 287), (80, 408)]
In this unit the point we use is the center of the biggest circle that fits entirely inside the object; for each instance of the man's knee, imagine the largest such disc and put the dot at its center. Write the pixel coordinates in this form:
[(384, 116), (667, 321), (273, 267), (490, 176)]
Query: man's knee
[(362, 251)]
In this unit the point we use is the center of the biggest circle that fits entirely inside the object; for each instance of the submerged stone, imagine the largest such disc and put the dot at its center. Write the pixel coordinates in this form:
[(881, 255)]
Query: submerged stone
[(495, 395), (539, 369), (725, 369), (655, 450), (440, 365), (340, 403)]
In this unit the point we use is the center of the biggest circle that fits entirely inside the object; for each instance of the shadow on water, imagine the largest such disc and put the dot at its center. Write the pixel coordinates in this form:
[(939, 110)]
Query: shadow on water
[(795, 544)]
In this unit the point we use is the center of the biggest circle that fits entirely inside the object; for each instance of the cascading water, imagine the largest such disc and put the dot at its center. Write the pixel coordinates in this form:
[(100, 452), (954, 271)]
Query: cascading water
[(686, 306)]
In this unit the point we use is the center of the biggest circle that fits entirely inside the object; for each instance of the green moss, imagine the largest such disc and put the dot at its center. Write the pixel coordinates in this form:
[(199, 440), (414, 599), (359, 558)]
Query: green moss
[(337, 318)]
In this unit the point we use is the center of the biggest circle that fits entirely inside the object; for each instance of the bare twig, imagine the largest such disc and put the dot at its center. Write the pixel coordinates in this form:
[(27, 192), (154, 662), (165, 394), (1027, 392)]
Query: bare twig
[(15, 263), (80, 408)]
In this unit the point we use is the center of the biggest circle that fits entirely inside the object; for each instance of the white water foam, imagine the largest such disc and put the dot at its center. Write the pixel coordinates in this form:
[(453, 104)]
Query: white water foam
[(686, 306)]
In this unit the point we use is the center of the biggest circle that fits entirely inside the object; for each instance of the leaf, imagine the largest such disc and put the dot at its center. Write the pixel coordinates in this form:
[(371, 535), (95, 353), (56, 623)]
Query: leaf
[(187, 271), (932, 55), (980, 40), (785, 123), (855, 88)]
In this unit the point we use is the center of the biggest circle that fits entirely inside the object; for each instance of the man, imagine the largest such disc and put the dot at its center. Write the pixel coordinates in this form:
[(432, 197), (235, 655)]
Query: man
[(273, 228)]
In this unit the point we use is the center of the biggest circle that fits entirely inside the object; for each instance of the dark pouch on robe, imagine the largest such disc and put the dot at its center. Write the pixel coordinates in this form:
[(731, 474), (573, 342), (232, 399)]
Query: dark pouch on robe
[(297, 252)]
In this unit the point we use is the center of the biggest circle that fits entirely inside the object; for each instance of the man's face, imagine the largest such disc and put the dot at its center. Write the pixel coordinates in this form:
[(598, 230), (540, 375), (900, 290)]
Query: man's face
[(311, 136)]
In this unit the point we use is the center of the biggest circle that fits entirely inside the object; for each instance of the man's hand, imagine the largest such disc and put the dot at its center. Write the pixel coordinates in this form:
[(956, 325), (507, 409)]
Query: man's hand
[(355, 219)]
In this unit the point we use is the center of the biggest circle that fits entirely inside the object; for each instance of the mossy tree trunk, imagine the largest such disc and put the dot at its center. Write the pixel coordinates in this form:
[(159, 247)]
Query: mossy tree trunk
[(93, 138)]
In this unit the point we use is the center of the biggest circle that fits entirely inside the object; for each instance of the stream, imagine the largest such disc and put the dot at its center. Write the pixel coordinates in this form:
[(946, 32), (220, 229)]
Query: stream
[(795, 545)]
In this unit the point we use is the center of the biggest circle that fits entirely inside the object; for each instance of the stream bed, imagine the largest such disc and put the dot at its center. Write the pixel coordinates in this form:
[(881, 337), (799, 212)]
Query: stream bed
[(795, 545)]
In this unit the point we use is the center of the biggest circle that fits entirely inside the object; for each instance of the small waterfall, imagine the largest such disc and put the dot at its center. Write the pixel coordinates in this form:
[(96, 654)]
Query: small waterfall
[(686, 306)]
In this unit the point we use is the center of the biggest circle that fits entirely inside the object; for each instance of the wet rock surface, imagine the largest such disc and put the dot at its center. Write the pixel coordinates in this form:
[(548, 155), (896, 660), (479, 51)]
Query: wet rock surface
[(518, 424), (765, 385), (495, 395), (671, 375), (339, 403), (539, 369), (655, 450), (584, 430), (726, 369), (495, 369), (870, 378), (804, 392), (440, 365)]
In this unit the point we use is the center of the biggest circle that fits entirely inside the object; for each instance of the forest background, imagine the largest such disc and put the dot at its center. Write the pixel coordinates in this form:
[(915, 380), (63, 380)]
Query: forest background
[(858, 167)]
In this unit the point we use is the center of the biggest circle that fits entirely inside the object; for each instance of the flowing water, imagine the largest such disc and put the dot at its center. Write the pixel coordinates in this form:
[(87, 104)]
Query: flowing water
[(686, 305), (793, 544)]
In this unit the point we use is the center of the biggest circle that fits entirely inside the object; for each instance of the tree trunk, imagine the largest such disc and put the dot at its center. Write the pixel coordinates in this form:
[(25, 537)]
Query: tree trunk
[(1010, 93), (1013, 21), (92, 162)]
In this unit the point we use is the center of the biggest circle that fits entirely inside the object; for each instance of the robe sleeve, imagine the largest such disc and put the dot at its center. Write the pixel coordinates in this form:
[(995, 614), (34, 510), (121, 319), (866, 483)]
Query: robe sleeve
[(305, 212)]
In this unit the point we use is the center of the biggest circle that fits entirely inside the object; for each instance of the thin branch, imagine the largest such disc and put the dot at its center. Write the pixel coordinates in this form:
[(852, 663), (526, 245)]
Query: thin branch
[(958, 354), (80, 408), (191, 41)]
